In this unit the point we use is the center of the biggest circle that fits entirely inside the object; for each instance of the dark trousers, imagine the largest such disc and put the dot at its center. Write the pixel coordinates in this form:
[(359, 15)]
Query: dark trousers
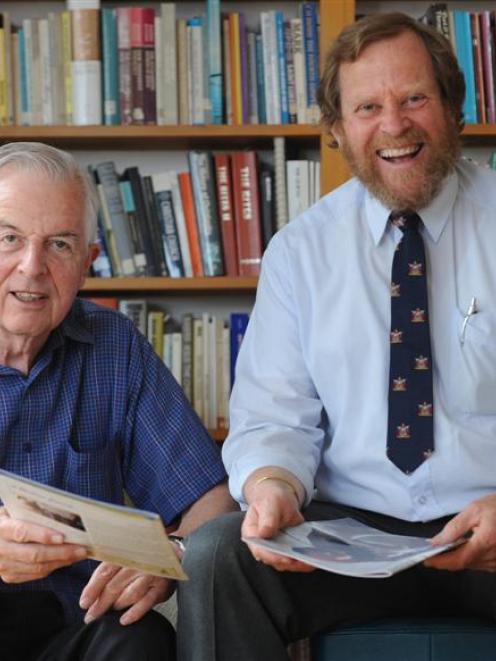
[(32, 628), (236, 608)]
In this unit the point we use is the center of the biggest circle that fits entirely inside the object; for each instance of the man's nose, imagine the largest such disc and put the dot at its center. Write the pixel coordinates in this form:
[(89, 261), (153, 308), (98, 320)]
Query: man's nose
[(33, 261), (394, 120)]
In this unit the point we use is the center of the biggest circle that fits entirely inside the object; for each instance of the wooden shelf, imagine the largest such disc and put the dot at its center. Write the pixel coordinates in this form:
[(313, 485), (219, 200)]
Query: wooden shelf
[(170, 285), (160, 137), (219, 435)]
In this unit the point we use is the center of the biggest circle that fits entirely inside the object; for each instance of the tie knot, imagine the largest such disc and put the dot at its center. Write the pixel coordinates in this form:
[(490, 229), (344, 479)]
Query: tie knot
[(405, 220)]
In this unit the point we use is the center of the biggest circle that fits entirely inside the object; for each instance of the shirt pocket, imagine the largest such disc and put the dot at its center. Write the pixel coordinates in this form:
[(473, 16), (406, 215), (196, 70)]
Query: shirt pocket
[(94, 472), (472, 384)]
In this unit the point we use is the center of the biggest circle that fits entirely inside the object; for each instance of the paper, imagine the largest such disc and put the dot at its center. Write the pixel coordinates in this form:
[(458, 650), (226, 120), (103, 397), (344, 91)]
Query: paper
[(112, 533), (348, 547)]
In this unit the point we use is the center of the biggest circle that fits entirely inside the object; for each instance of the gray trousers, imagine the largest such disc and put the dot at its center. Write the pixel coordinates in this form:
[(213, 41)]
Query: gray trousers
[(236, 609)]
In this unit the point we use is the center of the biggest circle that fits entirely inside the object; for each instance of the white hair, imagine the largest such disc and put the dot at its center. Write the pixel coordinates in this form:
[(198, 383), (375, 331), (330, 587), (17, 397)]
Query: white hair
[(60, 166)]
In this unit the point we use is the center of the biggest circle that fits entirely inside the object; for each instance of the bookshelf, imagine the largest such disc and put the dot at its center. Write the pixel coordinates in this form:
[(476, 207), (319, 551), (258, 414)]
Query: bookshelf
[(104, 140)]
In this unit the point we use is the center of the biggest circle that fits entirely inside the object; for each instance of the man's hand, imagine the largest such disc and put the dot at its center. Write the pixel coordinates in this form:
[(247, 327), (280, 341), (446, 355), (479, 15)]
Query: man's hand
[(117, 587), (29, 552), (479, 551), (273, 505)]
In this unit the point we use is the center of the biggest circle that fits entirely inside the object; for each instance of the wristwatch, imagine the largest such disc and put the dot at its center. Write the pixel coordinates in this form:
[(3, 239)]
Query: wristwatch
[(178, 541)]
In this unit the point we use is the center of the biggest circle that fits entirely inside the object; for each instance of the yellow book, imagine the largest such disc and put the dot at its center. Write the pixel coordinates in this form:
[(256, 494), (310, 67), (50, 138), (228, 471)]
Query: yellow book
[(237, 98), (155, 331), (66, 39)]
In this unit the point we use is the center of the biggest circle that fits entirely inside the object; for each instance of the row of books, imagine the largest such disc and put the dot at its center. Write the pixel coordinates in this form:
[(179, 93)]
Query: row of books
[(200, 351), (472, 36), (215, 219), (141, 65)]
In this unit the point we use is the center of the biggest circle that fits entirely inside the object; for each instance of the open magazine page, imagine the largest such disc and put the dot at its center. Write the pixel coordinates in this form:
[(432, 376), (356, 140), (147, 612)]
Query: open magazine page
[(113, 533), (348, 547)]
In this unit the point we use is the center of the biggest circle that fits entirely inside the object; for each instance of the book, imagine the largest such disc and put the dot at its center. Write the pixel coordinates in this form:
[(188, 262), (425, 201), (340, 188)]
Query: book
[(123, 16), (311, 50), (189, 211), (182, 70), (198, 368), (280, 182), (223, 182), (247, 215), (267, 204), (86, 66), (214, 46), (480, 94), (466, 61), (203, 184), (195, 72), (298, 186), (101, 266), (136, 310), (110, 59), (143, 94), (167, 218), (488, 57), (135, 229), (238, 323), (235, 69), (109, 181), (111, 302), (155, 331), (271, 67), (349, 547), (187, 356), (155, 226), (108, 531), (251, 44), (167, 113), (227, 62), (281, 58)]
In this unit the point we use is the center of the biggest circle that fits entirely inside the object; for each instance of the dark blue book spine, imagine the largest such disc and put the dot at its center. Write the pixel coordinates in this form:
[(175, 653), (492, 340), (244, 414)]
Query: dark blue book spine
[(262, 114), (311, 49), (170, 240), (283, 76), (238, 322)]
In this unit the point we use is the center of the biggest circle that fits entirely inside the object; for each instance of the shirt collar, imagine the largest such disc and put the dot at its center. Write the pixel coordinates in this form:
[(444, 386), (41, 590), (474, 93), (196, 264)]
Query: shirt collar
[(434, 216), (74, 326)]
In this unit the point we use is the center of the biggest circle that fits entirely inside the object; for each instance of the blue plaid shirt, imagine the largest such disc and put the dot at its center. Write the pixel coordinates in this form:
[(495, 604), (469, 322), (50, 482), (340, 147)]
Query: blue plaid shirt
[(97, 414)]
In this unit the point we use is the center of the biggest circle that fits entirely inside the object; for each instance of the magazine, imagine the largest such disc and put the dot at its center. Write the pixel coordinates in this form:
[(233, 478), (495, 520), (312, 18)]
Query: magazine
[(348, 547), (112, 533)]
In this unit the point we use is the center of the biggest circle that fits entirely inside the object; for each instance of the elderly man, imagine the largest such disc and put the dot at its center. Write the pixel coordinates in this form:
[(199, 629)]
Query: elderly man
[(87, 406), (366, 383)]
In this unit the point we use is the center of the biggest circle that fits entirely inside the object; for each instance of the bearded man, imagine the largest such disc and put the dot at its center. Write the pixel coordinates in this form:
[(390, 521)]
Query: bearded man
[(366, 382)]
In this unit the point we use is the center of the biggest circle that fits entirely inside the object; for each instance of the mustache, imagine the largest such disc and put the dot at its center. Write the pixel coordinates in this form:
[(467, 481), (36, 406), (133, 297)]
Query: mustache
[(413, 136)]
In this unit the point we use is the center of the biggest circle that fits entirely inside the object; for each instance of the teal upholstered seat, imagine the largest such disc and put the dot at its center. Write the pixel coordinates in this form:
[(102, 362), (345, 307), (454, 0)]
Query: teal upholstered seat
[(409, 639)]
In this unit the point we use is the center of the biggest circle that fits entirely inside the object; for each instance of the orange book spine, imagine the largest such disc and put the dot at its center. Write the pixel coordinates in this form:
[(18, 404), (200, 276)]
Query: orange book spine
[(236, 95), (191, 226)]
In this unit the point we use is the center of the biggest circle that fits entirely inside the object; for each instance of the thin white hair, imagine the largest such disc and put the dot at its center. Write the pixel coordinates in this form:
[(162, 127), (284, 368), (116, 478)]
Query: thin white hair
[(58, 165)]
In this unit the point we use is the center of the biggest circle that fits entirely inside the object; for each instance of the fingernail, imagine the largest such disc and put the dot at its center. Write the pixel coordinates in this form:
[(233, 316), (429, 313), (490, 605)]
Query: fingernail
[(84, 602), (81, 552), (88, 618), (57, 539)]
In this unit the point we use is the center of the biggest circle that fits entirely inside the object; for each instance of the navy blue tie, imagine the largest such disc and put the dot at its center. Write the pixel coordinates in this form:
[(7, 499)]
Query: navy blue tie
[(410, 419)]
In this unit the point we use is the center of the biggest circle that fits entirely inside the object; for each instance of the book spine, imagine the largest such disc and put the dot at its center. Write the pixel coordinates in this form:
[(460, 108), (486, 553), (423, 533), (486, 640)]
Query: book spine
[(149, 65), (169, 62), (238, 322), (101, 267), (280, 182), (271, 68), (180, 223), (488, 59), (110, 68), (223, 182), (139, 255), (196, 92), (30, 26), (169, 233), (297, 178), (281, 58), (236, 91), (143, 98), (191, 223), (466, 61), (252, 78), (182, 71), (132, 175), (187, 357), (67, 66), (24, 79), (198, 373), (299, 70), (46, 81), (57, 67), (478, 67), (267, 206), (135, 309), (311, 50), (86, 67), (288, 49), (262, 114), (152, 215), (215, 61), (110, 240), (155, 331), (243, 60), (202, 179), (124, 55), (226, 39), (16, 78), (247, 212), (109, 181)]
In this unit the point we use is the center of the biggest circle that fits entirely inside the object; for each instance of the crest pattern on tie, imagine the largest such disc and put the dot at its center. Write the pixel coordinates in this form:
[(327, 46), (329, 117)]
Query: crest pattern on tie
[(410, 415)]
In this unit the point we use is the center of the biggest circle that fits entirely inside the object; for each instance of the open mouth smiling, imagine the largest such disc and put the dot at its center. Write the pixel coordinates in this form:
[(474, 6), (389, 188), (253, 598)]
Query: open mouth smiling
[(400, 154), (28, 296)]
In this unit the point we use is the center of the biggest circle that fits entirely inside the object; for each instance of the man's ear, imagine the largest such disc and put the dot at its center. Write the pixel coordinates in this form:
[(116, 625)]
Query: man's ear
[(336, 133)]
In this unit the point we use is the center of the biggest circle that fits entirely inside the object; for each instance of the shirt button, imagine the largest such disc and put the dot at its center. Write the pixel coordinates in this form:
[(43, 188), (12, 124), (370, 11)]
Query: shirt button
[(27, 447)]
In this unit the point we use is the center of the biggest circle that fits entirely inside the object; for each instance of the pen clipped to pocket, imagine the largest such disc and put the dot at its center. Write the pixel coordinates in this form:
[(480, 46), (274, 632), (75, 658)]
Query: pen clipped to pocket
[(471, 310)]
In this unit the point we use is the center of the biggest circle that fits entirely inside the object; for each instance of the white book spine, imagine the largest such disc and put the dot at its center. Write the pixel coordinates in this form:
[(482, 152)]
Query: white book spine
[(181, 224), (87, 92), (297, 178), (271, 67), (198, 369), (46, 82), (299, 70), (169, 62), (280, 182)]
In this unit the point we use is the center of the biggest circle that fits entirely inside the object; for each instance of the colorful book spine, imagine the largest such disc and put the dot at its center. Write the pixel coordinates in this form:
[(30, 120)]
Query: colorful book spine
[(478, 67), (196, 91), (262, 114), (311, 50), (236, 86), (86, 67), (238, 323), (189, 210), (223, 182), (23, 88), (466, 61), (203, 182), (488, 56), (226, 42), (111, 114), (243, 60), (252, 78), (290, 72), (247, 212), (143, 94), (215, 83), (170, 237), (281, 58), (124, 56), (139, 255)]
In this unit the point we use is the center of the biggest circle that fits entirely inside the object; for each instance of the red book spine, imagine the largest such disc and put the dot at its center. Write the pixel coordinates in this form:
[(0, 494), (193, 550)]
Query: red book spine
[(223, 184), (124, 46), (191, 223), (478, 66), (488, 59), (247, 215), (143, 94)]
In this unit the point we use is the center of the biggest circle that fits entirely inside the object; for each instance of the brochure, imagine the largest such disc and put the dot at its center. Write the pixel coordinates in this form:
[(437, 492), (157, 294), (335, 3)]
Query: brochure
[(348, 547), (112, 533)]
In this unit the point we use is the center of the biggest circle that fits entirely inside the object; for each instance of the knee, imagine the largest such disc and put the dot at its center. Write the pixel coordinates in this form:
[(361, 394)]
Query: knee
[(217, 542)]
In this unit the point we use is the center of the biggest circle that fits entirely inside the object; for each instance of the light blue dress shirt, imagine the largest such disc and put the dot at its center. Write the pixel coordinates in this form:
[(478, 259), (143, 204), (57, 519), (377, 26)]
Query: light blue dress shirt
[(311, 390)]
